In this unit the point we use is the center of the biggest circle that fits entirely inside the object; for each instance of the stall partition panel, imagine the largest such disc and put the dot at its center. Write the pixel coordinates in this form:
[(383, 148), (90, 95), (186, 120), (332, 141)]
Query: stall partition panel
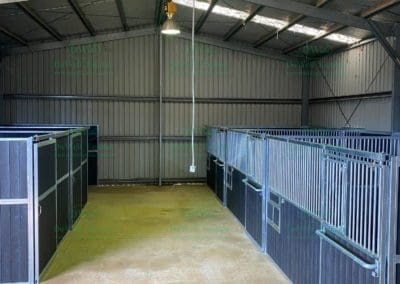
[(46, 173), (236, 196), (337, 267), (211, 172), (219, 180), (355, 217), (254, 213), (63, 181), (292, 242), (16, 209), (62, 209), (77, 195), (76, 190), (93, 152), (84, 183)]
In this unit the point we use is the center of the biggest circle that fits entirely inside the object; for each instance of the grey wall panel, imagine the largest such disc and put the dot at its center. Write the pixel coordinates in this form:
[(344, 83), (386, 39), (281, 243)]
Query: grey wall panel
[(120, 67), (178, 116), (114, 118), (366, 69), (130, 67), (177, 159), (127, 160), (373, 114), (223, 72)]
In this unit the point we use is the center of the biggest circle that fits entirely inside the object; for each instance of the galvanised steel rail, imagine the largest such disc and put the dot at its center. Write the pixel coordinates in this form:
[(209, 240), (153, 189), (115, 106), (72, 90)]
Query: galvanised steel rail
[(389, 145), (338, 176)]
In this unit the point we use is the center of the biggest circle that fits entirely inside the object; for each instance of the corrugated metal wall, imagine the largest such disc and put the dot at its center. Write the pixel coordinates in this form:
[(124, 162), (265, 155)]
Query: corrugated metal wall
[(116, 84), (366, 70)]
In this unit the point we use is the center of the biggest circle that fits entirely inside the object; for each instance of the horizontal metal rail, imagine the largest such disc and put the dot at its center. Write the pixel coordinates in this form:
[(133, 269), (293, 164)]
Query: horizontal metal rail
[(359, 261), (247, 183), (129, 98), (389, 145), (351, 97)]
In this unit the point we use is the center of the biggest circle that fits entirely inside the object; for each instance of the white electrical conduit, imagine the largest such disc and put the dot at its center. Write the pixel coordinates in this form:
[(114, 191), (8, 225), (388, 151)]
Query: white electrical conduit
[(192, 168)]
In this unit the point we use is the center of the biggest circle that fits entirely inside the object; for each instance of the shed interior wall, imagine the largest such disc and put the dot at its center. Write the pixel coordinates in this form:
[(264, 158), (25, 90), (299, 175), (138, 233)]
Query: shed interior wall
[(337, 82), (116, 84)]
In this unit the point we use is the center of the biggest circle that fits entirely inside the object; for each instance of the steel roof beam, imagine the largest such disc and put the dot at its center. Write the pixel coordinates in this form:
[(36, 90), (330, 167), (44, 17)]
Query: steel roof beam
[(205, 15), (13, 36), (382, 6), (240, 24), (122, 15), (75, 6), (34, 16), (386, 45), (160, 15), (297, 19), (318, 13)]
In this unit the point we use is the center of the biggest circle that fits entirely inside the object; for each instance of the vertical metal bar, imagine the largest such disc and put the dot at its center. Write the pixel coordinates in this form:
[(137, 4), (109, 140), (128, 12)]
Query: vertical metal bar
[(265, 195), (374, 219), (358, 189), (160, 142), (322, 182), (364, 191), (351, 201), (56, 190), (370, 201), (394, 212), (225, 168), (32, 224), (384, 212), (36, 211)]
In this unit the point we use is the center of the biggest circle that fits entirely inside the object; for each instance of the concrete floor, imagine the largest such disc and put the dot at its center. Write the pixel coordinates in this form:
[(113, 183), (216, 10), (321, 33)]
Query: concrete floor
[(144, 234)]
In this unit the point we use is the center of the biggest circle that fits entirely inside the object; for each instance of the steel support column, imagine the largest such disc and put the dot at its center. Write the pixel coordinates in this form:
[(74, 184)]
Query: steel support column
[(161, 90), (305, 93), (396, 84)]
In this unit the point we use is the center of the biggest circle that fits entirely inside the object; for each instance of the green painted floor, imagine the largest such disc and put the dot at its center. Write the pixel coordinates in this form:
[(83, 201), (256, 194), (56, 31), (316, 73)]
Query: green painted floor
[(144, 234)]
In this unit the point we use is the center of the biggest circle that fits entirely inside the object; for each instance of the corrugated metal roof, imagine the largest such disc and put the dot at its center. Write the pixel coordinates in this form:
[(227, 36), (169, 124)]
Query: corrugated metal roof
[(105, 18)]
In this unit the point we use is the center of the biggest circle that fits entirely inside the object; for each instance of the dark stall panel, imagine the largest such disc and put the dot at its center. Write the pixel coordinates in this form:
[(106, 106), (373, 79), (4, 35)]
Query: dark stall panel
[(236, 197), (76, 195), (62, 209), (336, 267), (14, 243), (76, 151), (93, 137), (84, 141), (62, 157), (16, 233), (219, 180), (92, 170), (296, 247), (254, 198), (47, 229), (211, 172), (84, 184), (46, 166)]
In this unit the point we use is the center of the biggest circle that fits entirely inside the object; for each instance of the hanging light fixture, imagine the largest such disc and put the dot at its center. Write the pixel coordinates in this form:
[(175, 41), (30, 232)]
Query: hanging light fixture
[(170, 27)]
